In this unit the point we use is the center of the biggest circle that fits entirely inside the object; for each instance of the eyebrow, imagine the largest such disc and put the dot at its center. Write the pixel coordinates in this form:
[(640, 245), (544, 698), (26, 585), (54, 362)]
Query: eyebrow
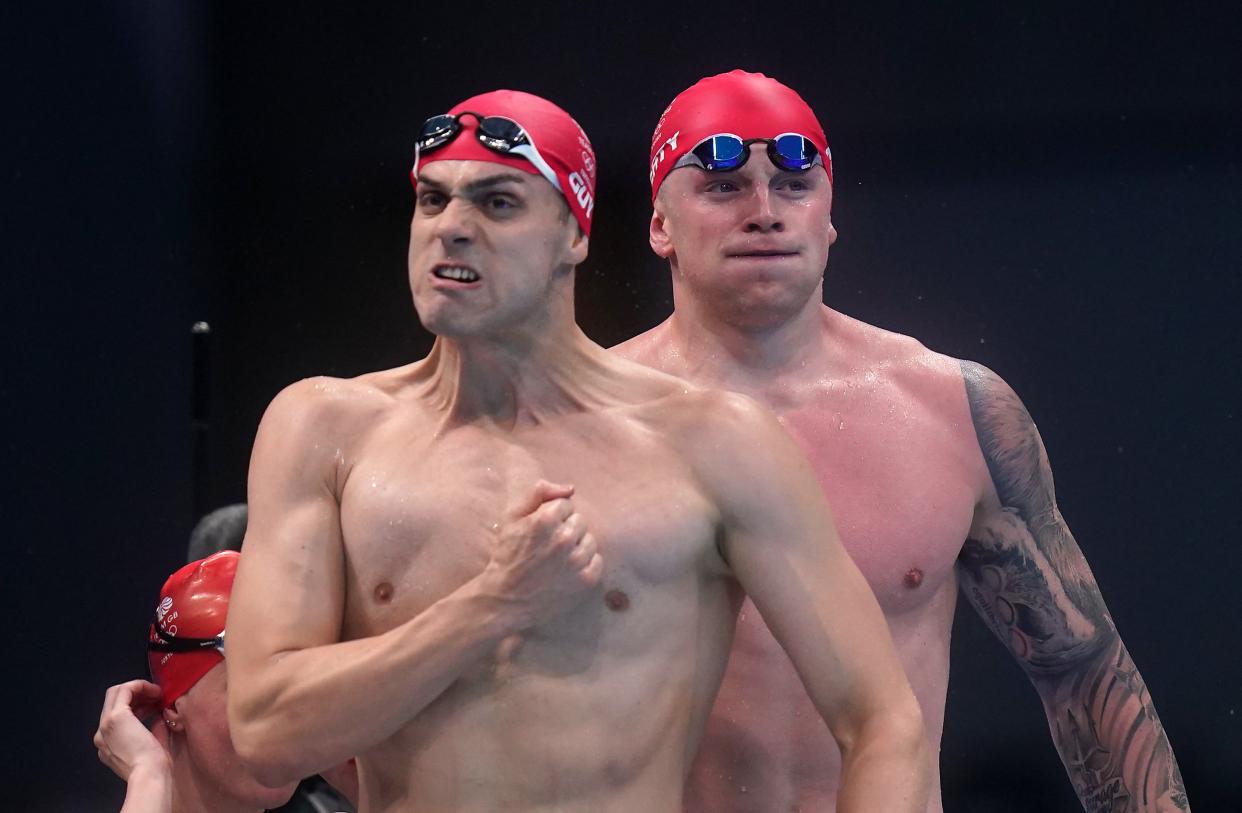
[(477, 186)]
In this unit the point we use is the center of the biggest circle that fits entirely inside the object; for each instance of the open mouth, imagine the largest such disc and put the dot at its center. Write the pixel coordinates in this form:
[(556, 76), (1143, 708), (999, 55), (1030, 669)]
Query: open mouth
[(456, 273)]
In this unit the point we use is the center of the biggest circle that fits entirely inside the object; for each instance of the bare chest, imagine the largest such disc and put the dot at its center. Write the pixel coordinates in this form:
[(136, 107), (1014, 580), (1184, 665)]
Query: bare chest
[(900, 473), (420, 513)]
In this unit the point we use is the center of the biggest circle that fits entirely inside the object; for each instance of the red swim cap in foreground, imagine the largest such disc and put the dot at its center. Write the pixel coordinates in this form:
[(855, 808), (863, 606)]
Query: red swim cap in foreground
[(556, 137), (748, 105), (183, 642)]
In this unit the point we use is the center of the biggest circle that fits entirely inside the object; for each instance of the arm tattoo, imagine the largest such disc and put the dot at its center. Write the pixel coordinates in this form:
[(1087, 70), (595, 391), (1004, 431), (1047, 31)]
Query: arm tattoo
[(1027, 578)]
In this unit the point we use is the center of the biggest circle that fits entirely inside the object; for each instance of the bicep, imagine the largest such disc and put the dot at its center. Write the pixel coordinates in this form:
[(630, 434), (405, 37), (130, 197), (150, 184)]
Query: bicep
[(1021, 568), (290, 583)]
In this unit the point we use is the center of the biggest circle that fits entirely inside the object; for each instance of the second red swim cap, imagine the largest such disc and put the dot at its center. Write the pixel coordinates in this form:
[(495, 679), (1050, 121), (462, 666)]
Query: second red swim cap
[(194, 603), (559, 139), (749, 105)]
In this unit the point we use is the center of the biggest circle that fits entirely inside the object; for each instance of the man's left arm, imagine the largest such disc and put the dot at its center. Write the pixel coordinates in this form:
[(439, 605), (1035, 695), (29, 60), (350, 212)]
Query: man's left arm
[(1027, 578)]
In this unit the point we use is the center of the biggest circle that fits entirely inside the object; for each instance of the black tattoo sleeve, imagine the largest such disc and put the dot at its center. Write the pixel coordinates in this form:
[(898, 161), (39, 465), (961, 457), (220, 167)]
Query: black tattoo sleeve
[(1027, 578)]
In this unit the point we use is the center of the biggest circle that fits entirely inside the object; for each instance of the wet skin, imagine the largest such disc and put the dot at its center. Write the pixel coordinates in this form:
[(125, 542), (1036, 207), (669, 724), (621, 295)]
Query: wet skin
[(506, 576), (937, 479)]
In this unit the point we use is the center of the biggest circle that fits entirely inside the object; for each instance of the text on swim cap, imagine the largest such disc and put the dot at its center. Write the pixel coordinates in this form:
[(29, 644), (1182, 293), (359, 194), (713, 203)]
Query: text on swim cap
[(582, 193), (670, 144)]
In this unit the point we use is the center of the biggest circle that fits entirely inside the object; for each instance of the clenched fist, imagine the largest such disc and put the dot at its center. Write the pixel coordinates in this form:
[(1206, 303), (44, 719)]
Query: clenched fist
[(544, 558)]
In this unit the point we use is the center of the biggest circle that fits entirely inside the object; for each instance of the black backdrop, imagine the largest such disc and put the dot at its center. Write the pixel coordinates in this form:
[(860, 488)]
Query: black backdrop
[(1053, 191)]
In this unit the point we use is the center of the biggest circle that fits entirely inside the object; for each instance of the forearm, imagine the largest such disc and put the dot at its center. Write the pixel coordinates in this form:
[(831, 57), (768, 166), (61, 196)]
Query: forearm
[(149, 790), (888, 767), (306, 710), (1110, 739)]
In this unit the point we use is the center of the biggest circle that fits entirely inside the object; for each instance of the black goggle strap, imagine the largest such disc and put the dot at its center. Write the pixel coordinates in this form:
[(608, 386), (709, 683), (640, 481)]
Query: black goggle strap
[(181, 643)]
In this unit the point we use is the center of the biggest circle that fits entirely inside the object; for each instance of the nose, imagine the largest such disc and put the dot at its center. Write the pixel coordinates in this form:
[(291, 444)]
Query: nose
[(763, 217), (455, 224)]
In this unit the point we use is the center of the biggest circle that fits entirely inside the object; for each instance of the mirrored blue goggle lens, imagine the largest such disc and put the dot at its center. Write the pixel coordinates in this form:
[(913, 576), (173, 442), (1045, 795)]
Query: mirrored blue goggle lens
[(793, 152), (721, 152)]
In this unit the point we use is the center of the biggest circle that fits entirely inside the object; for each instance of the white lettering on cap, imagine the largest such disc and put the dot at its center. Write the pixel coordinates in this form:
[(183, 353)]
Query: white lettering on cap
[(582, 193), (670, 144)]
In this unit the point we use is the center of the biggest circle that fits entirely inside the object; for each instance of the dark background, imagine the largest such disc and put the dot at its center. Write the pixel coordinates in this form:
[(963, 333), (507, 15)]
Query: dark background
[(1050, 190)]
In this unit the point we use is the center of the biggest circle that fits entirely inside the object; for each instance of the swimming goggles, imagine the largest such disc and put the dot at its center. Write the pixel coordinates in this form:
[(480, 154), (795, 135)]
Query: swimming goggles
[(725, 152), (497, 133)]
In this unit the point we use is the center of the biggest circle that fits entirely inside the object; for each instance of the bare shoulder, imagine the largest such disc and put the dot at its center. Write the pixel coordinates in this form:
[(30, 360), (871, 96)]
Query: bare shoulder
[(903, 359), (317, 422), (719, 431), (652, 348), (325, 404)]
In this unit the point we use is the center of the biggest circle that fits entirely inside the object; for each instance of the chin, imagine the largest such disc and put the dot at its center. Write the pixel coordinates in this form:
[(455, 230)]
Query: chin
[(759, 311), (262, 796), (448, 325)]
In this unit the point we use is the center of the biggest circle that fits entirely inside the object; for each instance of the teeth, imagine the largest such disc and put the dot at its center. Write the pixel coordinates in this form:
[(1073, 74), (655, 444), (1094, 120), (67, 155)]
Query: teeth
[(456, 272)]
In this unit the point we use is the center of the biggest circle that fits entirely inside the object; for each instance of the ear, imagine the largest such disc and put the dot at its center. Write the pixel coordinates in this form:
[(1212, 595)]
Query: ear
[(173, 717), (579, 245), (658, 236)]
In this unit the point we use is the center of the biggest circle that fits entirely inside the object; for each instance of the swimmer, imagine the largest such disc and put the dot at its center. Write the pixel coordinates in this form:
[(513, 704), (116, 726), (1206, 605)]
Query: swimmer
[(186, 763), (506, 575), (935, 471)]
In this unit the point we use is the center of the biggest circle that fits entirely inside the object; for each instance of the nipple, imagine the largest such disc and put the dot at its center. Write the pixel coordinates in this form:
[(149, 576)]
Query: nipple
[(914, 577), (383, 592), (617, 601)]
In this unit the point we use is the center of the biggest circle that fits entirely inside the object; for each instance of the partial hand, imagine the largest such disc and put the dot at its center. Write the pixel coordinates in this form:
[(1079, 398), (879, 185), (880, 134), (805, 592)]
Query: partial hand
[(544, 557), (124, 742)]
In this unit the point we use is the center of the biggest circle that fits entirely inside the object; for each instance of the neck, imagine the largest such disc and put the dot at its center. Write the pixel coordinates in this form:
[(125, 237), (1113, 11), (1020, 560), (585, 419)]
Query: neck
[(722, 351), (193, 792), (518, 380)]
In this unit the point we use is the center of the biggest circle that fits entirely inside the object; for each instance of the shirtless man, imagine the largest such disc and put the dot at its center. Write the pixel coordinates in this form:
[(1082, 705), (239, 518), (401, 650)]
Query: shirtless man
[(506, 576), (934, 469)]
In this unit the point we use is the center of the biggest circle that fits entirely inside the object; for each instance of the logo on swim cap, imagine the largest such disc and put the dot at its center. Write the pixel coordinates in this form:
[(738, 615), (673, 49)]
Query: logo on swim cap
[(747, 105)]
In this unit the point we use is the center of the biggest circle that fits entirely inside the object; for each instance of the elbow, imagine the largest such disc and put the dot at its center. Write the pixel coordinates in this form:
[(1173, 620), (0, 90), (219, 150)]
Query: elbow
[(268, 768), (904, 727), (269, 758), (895, 733)]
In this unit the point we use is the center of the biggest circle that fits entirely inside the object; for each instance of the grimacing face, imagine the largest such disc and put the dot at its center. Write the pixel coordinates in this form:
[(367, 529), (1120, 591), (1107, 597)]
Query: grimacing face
[(748, 246), (202, 718), (487, 245)]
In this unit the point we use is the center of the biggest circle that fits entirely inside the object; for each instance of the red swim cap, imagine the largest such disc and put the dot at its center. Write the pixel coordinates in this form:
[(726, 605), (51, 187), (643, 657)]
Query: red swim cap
[(193, 604), (556, 136), (749, 105)]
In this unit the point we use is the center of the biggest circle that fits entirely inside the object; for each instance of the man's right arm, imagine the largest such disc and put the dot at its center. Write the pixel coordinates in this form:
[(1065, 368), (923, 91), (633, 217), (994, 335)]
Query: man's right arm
[(301, 700), (779, 541)]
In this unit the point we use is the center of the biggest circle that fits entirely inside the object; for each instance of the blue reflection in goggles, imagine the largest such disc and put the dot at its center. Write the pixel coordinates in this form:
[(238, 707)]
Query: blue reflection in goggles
[(793, 148), (725, 152)]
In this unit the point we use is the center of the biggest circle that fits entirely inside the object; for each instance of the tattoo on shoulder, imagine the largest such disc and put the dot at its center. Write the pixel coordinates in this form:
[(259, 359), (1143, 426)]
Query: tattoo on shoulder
[(1010, 443)]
